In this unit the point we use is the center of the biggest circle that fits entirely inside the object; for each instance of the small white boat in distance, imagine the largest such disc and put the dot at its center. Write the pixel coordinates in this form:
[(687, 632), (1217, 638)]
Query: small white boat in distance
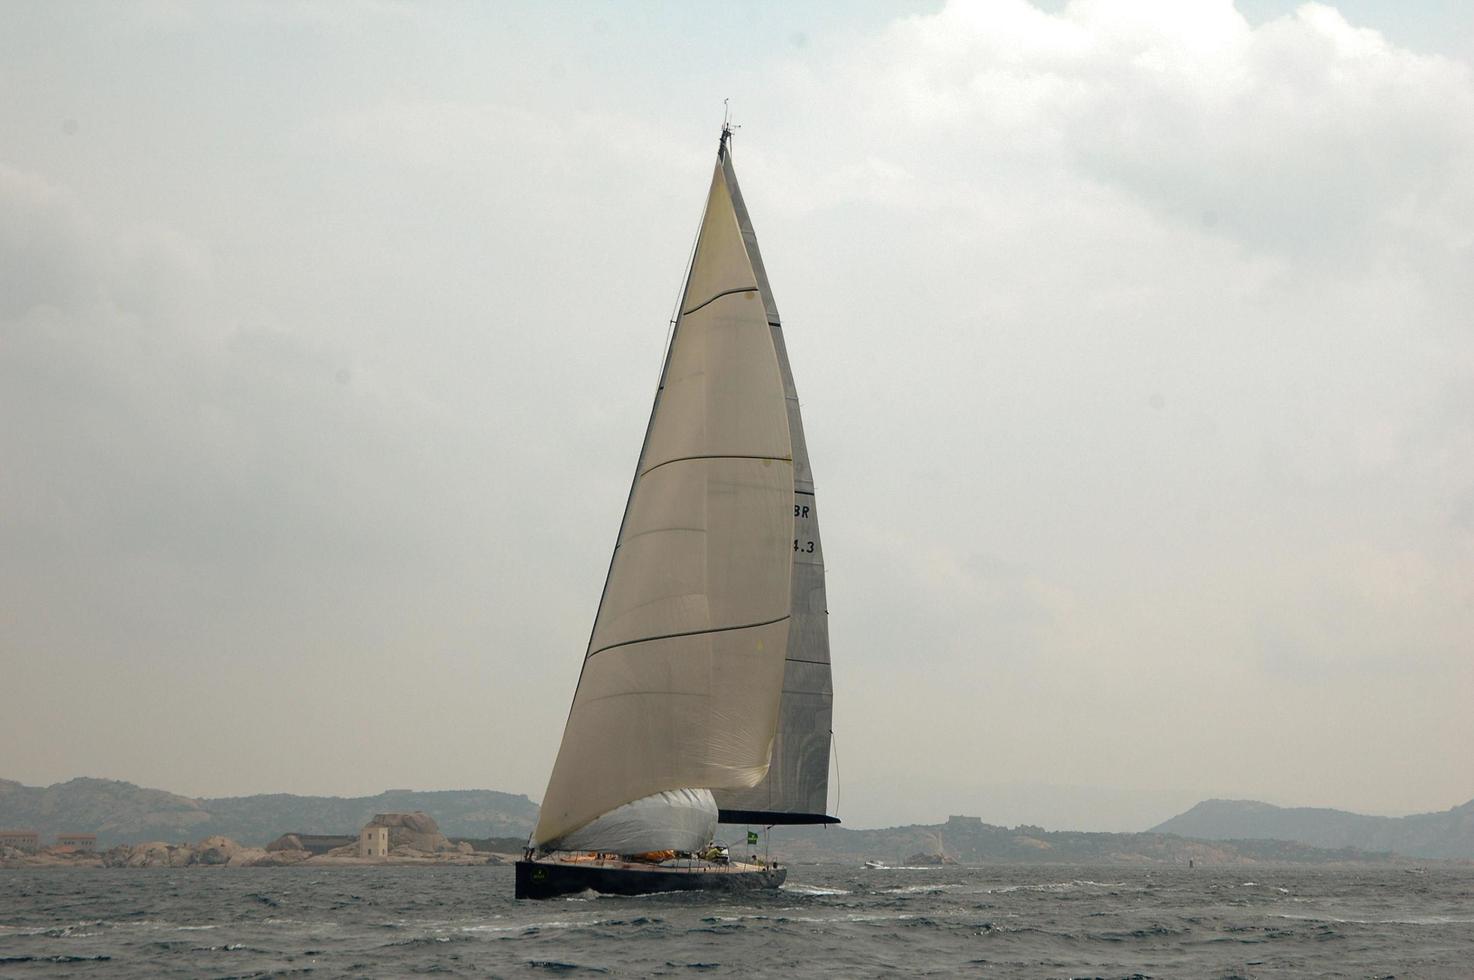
[(875, 865)]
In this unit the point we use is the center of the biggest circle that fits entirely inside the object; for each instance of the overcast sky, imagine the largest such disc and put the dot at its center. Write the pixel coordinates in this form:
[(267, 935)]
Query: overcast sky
[(1134, 342)]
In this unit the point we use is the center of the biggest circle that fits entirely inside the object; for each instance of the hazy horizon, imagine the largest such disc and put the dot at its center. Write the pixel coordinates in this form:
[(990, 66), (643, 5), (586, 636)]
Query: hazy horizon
[(1113, 810), (1133, 340)]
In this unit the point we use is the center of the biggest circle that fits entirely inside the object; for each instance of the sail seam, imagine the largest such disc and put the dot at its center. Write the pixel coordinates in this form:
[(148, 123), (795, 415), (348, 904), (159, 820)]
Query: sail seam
[(683, 459), (725, 292), (672, 636)]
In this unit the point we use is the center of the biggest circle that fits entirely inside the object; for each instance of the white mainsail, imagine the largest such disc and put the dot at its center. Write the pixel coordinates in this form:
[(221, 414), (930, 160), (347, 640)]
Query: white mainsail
[(683, 675)]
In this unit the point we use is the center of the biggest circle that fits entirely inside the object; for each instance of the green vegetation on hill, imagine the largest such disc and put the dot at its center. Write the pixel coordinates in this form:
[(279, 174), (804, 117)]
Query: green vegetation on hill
[(970, 841), (117, 812), (122, 813), (459, 812), (1449, 834)]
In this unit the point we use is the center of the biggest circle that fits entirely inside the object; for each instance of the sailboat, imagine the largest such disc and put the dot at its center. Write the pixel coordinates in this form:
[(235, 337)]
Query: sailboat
[(705, 692)]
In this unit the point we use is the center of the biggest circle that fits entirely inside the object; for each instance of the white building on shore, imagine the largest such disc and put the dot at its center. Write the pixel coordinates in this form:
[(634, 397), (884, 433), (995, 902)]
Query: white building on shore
[(373, 842)]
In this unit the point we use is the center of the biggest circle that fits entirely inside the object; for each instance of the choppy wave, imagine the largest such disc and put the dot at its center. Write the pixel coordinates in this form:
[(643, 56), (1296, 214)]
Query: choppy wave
[(837, 920)]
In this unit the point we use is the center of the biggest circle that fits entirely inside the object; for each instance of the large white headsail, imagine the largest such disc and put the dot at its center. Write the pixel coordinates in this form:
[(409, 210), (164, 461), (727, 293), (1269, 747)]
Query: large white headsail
[(682, 679)]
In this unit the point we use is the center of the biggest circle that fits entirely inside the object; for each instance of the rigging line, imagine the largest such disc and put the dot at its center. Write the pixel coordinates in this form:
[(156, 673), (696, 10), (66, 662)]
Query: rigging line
[(725, 292), (673, 636), (838, 788), (675, 308)]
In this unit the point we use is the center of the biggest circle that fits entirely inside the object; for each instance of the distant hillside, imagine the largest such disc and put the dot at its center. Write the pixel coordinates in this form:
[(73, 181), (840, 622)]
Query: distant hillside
[(115, 811), (1449, 834), (122, 813), (970, 841), (1214, 832), (459, 812)]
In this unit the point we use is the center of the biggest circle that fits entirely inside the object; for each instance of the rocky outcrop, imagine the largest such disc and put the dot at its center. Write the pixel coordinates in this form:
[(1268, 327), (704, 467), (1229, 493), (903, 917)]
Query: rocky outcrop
[(922, 858), (222, 852), (48, 857), (281, 858), (414, 839), (151, 854), (412, 832), (219, 850), (212, 851)]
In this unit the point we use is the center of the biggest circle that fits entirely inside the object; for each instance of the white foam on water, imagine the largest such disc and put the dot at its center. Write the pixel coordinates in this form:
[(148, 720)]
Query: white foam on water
[(801, 889), (1054, 886), (1417, 920), (522, 926), (852, 917), (919, 889), (61, 930), (858, 917)]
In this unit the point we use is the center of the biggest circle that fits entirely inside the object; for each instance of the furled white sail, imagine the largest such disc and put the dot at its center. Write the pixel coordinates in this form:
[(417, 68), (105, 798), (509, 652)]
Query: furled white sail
[(676, 820), (682, 679)]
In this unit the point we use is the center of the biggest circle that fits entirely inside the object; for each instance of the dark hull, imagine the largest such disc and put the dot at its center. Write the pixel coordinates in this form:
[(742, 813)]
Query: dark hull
[(549, 879)]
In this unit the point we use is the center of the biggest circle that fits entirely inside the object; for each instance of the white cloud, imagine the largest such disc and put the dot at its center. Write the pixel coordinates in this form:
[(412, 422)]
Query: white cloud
[(1133, 342), (1160, 301)]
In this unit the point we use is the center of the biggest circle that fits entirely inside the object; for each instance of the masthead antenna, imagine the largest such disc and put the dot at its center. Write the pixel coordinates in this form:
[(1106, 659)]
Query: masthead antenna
[(727, 126)]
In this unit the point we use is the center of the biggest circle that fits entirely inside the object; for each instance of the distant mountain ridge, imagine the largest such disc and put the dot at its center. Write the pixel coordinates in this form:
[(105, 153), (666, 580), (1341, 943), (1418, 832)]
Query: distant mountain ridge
[(970, 841), (1447, 834), (121, 813), (117, 812), (1214, 831)]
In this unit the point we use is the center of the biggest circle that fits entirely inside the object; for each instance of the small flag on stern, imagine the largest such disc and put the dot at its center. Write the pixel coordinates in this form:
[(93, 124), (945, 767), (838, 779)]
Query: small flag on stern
[(752, 837)]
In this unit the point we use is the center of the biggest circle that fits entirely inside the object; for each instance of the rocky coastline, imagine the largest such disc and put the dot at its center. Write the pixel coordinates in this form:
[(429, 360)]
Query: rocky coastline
[(413, 838), (222, 852)]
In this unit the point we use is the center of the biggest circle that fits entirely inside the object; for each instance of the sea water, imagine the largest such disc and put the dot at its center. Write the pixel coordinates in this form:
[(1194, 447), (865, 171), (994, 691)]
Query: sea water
[(828, 920)]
